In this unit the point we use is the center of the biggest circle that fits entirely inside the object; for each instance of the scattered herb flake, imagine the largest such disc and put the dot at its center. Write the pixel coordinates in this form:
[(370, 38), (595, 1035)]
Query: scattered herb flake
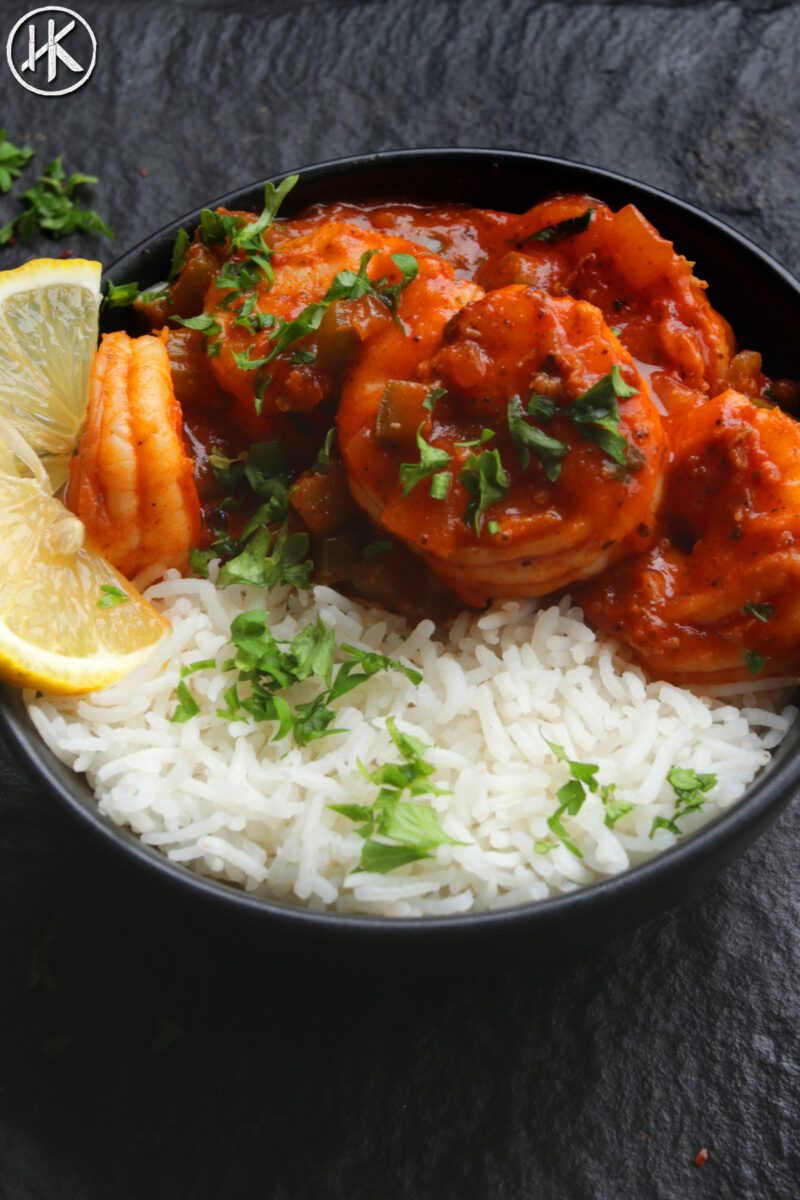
[(51, 206), (187, 705), (431, 461), (530, 440), (761, 612), (487, 481), (13, 160), (755, 661), (551, 234), (112, 596)]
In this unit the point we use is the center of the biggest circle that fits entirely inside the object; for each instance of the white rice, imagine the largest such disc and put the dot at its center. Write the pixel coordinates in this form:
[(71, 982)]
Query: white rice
[(222, 799)]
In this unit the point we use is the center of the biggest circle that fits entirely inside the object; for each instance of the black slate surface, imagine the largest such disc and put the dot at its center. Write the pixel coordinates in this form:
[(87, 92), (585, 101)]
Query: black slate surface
[(595, 1081)]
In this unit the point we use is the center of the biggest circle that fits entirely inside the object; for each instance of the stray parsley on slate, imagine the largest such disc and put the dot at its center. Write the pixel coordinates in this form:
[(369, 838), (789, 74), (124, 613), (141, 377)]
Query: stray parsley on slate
[(12, 161), (51, 205), (690, 790), (411, 831), (571, 797)]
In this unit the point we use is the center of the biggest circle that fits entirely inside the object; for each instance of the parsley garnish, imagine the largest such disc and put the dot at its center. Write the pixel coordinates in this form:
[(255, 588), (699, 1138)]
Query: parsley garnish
[(323, 460), (486, 480), (12, 161), (210, 328), (542, 408), (112, 596), (528, 439), (267, 667), (434, 395), (572, 795), (187, 705), (755, 661), (245, 363), (178, 254), (267, 562), (596, 413), (761, 612), (431, 461), (52, 207), (346, 285), (440, 485), (564, 229), (690, 790), (411, 831)]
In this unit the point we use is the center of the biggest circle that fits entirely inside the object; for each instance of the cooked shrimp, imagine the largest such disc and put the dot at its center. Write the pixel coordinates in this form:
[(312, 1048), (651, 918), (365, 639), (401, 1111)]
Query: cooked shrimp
[(717, 597), (131, 480), (303, 377), (647, 291), (521, 522)]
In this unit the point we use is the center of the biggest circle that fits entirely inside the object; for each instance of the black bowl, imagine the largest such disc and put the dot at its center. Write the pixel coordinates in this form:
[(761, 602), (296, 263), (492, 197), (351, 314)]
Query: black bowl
[(762, 301)]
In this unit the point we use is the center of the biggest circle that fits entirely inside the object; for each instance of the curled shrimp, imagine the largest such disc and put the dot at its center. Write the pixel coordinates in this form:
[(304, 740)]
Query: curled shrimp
[(717, 597), (519, 507), (307, 374), (131, 481), (644, 288)]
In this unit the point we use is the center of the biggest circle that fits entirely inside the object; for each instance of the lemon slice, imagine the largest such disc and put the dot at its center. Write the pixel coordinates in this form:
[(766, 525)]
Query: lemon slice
[(69, 622), (48, 337)]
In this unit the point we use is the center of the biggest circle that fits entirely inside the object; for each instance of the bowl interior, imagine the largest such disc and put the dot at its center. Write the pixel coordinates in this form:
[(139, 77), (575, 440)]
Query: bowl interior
[(762, 302)]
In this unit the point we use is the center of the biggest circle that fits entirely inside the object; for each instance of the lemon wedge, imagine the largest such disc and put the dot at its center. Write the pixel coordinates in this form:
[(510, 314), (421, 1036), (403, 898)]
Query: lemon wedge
[(69, 622), (48, 338)]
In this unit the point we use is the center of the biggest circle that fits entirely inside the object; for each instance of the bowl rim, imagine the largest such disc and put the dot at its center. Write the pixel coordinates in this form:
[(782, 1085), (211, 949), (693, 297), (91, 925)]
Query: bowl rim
[(733, 828)]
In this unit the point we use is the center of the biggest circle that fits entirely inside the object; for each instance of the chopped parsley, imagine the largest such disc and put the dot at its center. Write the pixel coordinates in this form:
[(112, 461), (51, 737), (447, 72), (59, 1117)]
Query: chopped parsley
[(487, 481), (596, 413), (346, 285), (440, 485), (551, 234), (530, 440), (52, 206), (542, 408), (322, 462), (13, 159), (690, 790), (755, 662), (187, 706), (266, 668), (268, 560), (572, 795), (410, 831), (433, 396), (245, 363), (120, 295), (260, 557), (178, 254), (111, 596), (431, 461), (761, 612), (210, 328)]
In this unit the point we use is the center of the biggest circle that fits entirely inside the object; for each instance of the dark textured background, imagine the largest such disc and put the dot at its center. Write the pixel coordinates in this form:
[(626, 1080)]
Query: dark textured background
[(596, 1081)]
